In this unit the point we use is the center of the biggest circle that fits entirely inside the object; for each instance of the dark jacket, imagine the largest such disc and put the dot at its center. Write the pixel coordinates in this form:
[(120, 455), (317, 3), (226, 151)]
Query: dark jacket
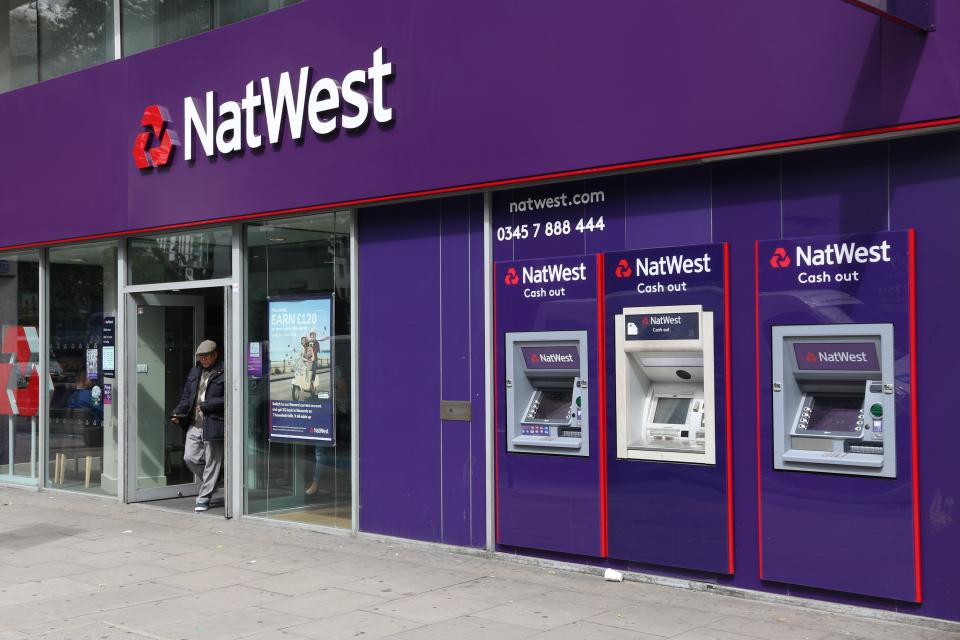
[(212, 407)]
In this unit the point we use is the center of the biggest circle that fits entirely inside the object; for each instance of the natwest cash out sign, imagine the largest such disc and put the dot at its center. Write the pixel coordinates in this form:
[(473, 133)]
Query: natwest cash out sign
[(324, 105), (665, 270), (549, 280), (830, 260)]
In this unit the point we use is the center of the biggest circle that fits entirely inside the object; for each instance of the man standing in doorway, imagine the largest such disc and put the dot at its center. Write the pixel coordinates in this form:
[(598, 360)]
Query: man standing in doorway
[(201, 410)]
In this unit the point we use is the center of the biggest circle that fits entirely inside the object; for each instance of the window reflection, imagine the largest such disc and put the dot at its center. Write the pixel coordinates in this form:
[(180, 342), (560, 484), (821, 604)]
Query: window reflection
[(198, 255), (74, 35), (300, 258), (19, 366), (82, 426)]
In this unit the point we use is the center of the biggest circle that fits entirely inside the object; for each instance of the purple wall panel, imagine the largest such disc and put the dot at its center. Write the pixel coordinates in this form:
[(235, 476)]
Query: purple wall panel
[(478, 394), (746, 206), (925, 190), (667, 208), (418, 312), (399, 324), (801, 68), (835, 191), (456, 354), (548, 502), (668, 513)]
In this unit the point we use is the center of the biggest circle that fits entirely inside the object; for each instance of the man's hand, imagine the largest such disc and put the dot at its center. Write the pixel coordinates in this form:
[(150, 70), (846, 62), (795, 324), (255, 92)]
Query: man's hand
[(174, 419)]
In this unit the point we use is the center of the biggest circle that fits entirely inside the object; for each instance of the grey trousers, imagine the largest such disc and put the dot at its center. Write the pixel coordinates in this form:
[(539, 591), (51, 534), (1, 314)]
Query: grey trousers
[(205, 459)]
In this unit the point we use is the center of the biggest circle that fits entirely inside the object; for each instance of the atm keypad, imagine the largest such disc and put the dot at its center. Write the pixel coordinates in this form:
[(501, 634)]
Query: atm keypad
[(535, 430)]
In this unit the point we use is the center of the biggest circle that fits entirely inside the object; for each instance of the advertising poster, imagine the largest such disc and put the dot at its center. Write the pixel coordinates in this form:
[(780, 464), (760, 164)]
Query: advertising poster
[(299, 370), (254, 360), (108, 348)]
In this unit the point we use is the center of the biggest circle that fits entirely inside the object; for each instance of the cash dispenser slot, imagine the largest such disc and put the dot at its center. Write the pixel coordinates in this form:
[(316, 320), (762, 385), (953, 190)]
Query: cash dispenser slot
[(546, 393), (833, 400)]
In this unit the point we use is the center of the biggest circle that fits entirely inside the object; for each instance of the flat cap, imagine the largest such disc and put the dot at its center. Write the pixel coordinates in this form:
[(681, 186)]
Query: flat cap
[(205, 347)]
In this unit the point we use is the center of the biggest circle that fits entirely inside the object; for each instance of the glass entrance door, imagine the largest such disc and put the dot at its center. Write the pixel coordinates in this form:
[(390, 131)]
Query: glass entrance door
[(164, 330)]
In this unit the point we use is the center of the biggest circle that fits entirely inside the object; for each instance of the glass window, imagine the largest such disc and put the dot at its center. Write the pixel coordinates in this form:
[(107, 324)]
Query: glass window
[(82, 435), (19, 366), (18, 45), (151, 23), (176, 257), (298, 287), (74, 35)]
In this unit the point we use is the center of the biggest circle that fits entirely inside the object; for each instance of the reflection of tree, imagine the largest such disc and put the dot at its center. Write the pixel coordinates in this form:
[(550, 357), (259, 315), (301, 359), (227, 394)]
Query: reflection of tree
[(74, 34)]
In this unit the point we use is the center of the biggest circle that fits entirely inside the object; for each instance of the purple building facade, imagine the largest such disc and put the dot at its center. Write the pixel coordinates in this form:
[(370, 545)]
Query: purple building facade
[(457, 143)]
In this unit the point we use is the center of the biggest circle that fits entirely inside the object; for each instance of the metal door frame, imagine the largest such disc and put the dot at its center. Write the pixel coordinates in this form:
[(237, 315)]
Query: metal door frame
[(134, 300)]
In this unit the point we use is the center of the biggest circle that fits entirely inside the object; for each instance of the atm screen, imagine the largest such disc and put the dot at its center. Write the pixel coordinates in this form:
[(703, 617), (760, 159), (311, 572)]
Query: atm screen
[(671, 410), (835, 413), (554, 404)]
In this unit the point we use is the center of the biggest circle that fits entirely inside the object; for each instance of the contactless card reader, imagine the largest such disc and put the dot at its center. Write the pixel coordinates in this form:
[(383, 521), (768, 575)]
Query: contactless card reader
[(665, 384), (547, 401), (833, 399)]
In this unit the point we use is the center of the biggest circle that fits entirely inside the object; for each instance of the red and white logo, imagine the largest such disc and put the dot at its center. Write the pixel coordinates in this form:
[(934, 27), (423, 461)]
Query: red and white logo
[(511, 278), (780, 258), (623, 269), (535, 358), (811, 356), (157, 119)]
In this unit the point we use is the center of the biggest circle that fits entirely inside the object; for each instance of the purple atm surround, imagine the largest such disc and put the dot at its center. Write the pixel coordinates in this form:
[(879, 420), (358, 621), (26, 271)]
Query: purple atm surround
[(845, 533), (671, 513), (547, 502)]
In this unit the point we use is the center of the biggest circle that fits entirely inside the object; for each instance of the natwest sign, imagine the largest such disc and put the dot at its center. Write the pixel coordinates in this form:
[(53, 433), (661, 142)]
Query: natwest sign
[(324, 104)]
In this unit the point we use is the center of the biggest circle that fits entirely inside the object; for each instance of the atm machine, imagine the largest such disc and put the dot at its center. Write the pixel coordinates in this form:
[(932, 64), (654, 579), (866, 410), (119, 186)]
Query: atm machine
[(833, 399), (665, 384), (546, 382)]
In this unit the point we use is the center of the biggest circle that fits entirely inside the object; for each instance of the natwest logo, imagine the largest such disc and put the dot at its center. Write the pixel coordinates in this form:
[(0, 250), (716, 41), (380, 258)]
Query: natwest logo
[(623, 269), (511, 277), (324, 104), (554, 273), (843, 253), (157, 118), (780, 258), (840, 356), (660, 320), (833, 254), (673, 265), (552, 358)]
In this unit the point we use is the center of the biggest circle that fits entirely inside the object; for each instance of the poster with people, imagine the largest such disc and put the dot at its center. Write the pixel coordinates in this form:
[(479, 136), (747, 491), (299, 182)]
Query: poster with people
[(299, 370)]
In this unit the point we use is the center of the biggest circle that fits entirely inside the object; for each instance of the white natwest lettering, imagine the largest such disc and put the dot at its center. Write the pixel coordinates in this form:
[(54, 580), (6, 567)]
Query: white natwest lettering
[(841, 356), (321, 106), (669, 265), (665, 320), (554, 273), (847, 253), (555, 357)]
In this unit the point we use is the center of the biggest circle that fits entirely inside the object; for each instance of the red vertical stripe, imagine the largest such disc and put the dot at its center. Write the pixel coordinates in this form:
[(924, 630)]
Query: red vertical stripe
[(729, 404), (602, 397), (496, 413), (914, 412), (756, 312)]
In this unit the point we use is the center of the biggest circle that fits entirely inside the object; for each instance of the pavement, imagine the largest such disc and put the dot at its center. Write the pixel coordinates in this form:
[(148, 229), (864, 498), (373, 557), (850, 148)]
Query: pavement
[(80, 568)]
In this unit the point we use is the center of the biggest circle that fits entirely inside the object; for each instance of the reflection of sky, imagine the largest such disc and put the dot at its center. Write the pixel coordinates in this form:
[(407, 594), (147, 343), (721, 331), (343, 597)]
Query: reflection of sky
[(303, 316)]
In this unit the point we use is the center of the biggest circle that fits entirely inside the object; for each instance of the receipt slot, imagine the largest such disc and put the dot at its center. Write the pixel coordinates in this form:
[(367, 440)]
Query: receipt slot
[(547, 401), (833, 399), (665, 384)]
